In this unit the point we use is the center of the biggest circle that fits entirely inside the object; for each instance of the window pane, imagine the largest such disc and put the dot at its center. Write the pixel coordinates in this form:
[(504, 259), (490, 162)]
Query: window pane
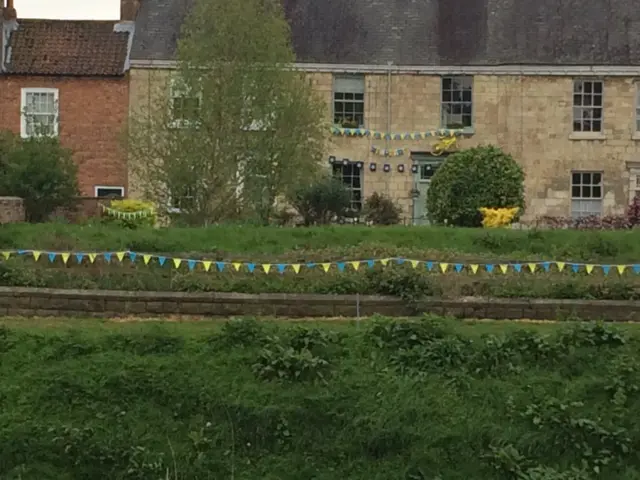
[(456, 96), (586, 191), (597, 87), (587, 87), (596, 192), (586, 178), (597, 100), (597, 178), (577, 100), (596, 126), (466, 96), (577, 86), (575, 179), (575, 192), (446, 95), (358, 97), (446, 83)]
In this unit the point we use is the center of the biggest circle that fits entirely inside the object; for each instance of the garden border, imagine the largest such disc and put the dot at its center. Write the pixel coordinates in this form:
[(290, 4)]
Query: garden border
[(45, 302)]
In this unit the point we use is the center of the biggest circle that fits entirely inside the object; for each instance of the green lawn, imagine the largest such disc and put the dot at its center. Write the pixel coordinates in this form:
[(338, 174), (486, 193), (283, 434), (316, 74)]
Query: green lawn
[(338, 242), (370, 400)]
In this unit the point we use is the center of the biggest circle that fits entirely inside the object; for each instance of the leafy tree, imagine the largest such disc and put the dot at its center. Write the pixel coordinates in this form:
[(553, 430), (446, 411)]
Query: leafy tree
[(245, 129), (39, 171), (471, 179), (381, 210)]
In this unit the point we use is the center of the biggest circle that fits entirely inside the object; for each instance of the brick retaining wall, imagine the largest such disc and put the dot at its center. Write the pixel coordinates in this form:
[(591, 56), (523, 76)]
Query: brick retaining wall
[(97, 303)]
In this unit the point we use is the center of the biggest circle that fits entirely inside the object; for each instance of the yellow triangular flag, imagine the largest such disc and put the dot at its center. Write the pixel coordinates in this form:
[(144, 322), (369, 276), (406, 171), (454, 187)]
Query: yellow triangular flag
[(414, 263), (589, 269), (384, 261), (146, 259), (504, 268), (474, 268), (296, 267), (120, 255), (355, 265), (560, 266), (65, 257), (237, 266), (207, 265), (532, 267), (92, 257), (177, 262), (326, 266), (621, 268), (36, 255), (266, 267), (6, 255), (443, 267)]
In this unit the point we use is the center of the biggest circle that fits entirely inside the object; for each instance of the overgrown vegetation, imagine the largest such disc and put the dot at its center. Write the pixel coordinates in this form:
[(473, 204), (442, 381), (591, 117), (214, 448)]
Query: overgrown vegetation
[(39, 171), (419, 400)]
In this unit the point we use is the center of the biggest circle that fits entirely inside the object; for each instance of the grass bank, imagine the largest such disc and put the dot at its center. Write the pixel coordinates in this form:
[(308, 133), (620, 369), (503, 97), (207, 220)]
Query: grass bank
[(331, 243), (380, 400)]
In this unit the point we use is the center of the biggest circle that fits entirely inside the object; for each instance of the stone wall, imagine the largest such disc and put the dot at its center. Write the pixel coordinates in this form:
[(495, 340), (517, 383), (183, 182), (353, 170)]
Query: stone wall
[(87, 303), (11, 210)]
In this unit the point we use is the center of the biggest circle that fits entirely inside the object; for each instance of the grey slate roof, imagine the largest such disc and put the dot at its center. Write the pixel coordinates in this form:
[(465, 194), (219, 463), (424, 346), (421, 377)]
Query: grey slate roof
[(433, 32)]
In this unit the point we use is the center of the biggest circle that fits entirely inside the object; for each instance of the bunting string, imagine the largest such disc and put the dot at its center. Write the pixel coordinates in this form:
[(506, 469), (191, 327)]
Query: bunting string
[(127, 215), (365, 132), (147, 259)]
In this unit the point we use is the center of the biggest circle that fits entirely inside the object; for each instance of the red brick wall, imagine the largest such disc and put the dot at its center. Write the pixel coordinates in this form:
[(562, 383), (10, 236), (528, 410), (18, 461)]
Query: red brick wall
[(92, 113)]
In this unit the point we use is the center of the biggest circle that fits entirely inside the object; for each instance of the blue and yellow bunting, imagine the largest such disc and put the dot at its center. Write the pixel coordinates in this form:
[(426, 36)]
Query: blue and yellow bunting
[(193, 264), (378, 135), (385, 152)]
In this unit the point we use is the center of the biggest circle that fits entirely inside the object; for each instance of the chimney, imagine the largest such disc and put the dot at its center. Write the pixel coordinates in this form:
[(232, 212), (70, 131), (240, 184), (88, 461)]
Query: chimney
[(128, 10), (8, 12)]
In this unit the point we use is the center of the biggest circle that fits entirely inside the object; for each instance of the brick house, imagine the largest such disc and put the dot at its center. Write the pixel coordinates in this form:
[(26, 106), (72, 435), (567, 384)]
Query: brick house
[(69, 79), (554, 86)]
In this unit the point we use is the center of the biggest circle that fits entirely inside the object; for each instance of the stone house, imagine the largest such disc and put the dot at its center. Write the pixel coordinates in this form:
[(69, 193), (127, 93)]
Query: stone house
[(555, 86), (69, 79)]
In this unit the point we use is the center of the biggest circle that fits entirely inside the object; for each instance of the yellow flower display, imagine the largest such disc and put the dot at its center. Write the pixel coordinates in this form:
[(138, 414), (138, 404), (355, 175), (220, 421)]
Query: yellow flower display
[(498, 217)]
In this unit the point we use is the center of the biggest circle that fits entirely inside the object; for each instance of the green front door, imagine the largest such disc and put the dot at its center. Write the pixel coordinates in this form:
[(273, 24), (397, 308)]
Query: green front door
[(427, 166)]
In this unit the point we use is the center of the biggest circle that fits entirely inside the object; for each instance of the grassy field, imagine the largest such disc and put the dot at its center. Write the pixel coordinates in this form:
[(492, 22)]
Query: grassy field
[(331, 243), (378, 400)]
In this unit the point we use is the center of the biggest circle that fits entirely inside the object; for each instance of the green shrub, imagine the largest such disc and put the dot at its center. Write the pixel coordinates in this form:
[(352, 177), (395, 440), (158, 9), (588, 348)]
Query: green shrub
[(474, 178), (39, 171), (279, 362), (381, 210), (321, 202)]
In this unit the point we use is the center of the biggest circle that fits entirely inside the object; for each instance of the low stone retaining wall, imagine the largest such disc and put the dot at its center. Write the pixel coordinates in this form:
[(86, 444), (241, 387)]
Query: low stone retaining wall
[(98, 303)]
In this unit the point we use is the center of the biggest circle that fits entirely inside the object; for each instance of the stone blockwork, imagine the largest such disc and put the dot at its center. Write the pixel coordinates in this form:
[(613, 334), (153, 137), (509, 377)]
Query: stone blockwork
[(11, 210), (50, 302), (93, 115), (531, 117)]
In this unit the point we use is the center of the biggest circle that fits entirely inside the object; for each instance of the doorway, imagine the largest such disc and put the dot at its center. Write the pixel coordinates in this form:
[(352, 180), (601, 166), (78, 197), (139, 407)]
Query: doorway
[(425, 167)]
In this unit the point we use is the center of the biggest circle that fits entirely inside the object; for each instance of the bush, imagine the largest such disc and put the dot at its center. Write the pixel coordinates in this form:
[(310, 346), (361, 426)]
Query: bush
[(471, 179), (39, 171), (321, 202), (135, 214), (381, 210)]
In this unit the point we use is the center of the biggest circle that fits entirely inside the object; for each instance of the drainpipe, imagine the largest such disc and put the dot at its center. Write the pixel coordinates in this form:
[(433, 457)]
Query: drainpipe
[(389, 66)]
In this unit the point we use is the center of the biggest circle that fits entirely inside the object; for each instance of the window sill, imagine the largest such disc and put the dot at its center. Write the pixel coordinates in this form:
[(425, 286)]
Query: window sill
[(635, 136), (587, 136)]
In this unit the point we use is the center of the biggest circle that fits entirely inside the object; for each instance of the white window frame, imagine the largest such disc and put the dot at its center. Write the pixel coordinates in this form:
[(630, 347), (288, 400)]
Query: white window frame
[(590, 108), (338, 172), (97, 188), (462, 83), (637, 109), (352, 84), (580, 200), (177, 90), (25, 92)]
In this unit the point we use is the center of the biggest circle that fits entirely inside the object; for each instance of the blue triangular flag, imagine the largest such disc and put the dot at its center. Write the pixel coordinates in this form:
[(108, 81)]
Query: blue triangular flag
[(220, 266), (21, 252), (107, 257), (251, 267), (459, 267), (399, 261), (191, 264), (340, 266), (52, 257), (546, 266), (489, 267), (132, 256), (281, 267), (311, 265), (79, 257), (370, 263), (162, 260), (575, 267), (606, 268), (517, 267), (429, 265), (636, 269)]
